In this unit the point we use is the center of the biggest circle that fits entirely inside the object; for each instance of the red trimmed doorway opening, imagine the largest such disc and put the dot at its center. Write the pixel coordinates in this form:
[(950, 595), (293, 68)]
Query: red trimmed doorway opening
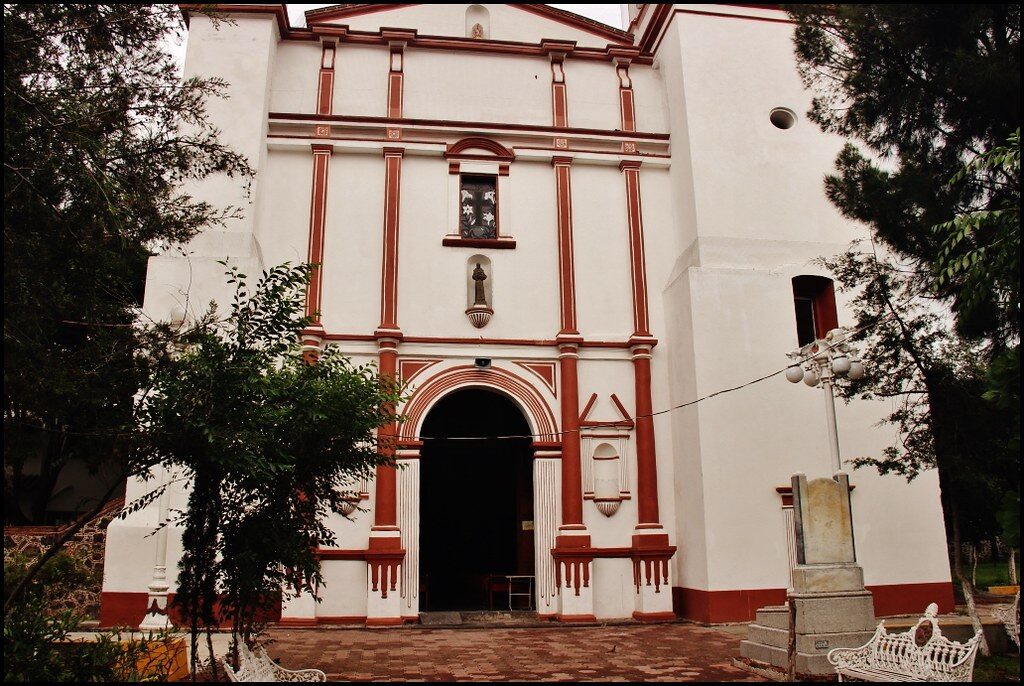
[(476, 502)]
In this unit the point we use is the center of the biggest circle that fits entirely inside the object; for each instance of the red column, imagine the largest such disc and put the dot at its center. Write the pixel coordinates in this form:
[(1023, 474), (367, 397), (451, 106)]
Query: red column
[(642, 342), (572, 490), (566, 264), (646, 464), (568, 338), (317, 218), (313, 336), (389, 265), (637, 259), (325, 86), (385, 512), (396, 77), (627, 110), (385, 509), (557, 50)]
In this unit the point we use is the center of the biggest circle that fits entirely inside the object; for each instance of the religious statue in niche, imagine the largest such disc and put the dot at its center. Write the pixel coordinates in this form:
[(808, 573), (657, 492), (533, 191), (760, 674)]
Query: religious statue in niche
[(480, 312), (478, 207), (477, 31)]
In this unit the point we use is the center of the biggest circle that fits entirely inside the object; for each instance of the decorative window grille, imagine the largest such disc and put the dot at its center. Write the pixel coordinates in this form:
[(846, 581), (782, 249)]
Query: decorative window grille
[(478, 207)]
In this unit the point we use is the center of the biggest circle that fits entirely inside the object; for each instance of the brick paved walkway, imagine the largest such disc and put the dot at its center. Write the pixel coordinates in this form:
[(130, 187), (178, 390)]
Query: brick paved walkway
[(654, 652)]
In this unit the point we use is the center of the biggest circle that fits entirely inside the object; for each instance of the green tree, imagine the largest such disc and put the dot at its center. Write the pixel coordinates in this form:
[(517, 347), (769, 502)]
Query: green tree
[(271, 445), (100, 133), (924, 90)]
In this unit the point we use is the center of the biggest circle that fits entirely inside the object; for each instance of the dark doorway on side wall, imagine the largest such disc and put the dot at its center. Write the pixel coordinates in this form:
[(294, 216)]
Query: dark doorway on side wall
[(476, 502)]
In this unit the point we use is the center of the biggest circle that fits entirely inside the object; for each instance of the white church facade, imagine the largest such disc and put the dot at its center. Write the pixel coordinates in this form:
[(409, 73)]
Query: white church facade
[(559, 231)]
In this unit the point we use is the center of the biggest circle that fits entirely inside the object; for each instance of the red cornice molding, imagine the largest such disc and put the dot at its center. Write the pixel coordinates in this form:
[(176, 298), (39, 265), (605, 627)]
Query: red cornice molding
[(323, 14), (536, 342), (428, 42), (468, 125), (654, 27), (650, 41)]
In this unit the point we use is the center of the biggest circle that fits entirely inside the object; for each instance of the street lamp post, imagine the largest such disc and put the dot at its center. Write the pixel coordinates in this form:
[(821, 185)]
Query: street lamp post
[(822, 361)]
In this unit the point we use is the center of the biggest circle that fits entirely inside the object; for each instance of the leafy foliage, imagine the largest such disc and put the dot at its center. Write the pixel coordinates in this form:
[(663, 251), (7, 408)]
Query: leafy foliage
[(926, 90), (61, 575), (272, 445), (37, 643), (100, 133)]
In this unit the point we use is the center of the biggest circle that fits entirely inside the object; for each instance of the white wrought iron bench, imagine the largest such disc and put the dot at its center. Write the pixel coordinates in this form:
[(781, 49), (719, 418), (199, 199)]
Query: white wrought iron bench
[(1009, 615), (259, 667), (920, 654)]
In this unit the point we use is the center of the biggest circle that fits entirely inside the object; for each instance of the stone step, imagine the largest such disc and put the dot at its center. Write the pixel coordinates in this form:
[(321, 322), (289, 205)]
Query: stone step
[(769, 655), (767, 635), (774, 617), (503, 617), (778, 657), (440, 618)]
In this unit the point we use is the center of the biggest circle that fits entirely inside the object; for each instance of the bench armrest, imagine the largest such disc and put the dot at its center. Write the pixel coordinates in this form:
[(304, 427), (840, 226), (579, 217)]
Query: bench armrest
[(846, 657), (300, 675)]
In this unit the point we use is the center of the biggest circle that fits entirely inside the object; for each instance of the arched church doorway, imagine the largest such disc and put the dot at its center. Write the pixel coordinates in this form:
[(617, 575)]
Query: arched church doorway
[(476, 500)]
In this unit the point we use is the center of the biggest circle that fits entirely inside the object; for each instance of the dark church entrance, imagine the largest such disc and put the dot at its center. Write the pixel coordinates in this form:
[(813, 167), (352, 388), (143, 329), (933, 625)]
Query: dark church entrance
[(476, 500)]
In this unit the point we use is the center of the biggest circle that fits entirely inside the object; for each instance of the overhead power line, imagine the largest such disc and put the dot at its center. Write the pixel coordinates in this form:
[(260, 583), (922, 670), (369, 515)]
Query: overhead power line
[(550, 436)]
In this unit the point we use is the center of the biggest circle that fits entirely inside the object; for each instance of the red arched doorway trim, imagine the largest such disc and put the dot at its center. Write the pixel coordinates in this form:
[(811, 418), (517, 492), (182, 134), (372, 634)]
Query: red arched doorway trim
[(536, 410)]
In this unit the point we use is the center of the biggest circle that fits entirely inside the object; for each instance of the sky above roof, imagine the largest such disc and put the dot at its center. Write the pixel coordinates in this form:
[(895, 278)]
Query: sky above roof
[(607, 14)]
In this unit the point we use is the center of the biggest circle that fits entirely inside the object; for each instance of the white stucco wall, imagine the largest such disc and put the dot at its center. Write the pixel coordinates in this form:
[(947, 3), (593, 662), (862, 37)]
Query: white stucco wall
[(733, 208), (752, 214)]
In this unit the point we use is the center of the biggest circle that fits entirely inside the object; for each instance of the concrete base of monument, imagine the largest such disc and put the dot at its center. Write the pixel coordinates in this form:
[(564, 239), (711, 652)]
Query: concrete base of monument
[(830, 609)]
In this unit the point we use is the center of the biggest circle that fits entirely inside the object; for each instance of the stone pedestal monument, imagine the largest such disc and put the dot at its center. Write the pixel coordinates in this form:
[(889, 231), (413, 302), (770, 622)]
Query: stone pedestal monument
[(828, 605)]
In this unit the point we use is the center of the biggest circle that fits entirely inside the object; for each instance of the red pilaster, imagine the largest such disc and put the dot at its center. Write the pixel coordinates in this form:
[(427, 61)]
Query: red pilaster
[(627, 109), (646, 464), (637, 258), (568, 339), (389, 265), (559, 101), (572, 483), (325, 86), (385, 510), (317, 218), (646, 460), (557, 50), (566, 264), (396, 77)]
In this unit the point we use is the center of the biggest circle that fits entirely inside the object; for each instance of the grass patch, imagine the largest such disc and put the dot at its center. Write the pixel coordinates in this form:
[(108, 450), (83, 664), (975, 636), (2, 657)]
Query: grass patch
[(997, 668), (992, 573)]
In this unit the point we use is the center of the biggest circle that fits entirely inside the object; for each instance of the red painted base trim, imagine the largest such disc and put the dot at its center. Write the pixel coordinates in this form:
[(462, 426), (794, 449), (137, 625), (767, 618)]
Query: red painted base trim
[(903, 599), (126, 608), (297, 621), (384, 621), (716, 607), (653, 616)]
